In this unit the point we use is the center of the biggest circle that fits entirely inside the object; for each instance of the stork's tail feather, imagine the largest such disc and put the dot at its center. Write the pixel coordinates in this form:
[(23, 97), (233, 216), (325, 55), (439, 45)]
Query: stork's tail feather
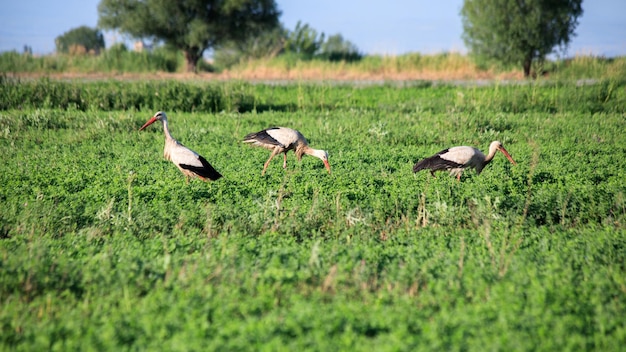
[(250, 138), (209, 171), (424, 164), (419, 165)]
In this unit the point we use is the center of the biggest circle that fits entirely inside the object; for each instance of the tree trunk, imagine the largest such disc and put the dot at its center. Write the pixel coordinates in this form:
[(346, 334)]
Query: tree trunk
[(191, 60), (528, 60)]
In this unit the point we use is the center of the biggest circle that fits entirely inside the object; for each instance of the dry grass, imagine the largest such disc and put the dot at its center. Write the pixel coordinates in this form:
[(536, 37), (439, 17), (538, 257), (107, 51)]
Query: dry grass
[(269, 74), (406, 68), (380, 69), (409, 67)]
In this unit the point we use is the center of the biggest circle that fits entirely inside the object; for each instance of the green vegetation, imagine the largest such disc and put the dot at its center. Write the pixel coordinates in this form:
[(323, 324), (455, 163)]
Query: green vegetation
[(103, 246), (304, 43), (112, 61), (519, 32), (190, 26), (80, 40)]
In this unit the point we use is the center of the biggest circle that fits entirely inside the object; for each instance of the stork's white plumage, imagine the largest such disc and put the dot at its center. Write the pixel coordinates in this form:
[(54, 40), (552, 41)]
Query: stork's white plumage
[(281, 140), (457, 159), (190, 163)]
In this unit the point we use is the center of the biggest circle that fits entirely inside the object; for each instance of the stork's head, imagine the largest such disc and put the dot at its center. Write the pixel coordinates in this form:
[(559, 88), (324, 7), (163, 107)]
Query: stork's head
[(159, 116), (323, 155), (498, 146)]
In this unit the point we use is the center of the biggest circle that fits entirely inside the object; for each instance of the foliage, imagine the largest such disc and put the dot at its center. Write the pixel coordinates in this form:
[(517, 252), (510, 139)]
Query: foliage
[(335, 48), (191, 26), (303, 42), (589, 68), (103, 246), (89, 39), (519, 32), (606, 96), (115, 95), (116, 59), (266, 44)]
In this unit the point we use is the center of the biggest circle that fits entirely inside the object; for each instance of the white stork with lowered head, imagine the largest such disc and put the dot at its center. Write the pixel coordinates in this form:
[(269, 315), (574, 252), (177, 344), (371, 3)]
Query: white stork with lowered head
[(281, 140), (457, 159), (190, 163)]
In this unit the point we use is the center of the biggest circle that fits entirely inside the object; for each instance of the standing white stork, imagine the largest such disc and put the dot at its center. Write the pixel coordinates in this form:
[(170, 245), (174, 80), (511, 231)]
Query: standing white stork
[(281, 140), (457, 159), (190, 163)]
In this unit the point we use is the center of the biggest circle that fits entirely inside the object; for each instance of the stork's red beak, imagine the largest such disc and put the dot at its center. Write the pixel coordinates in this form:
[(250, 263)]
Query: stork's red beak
[(150, 122), (508, 156), (327, 165)]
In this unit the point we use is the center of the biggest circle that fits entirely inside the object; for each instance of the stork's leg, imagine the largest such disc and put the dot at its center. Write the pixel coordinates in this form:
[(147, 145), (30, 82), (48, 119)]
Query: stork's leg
[(458, 177), (284, 160), (267, 163)]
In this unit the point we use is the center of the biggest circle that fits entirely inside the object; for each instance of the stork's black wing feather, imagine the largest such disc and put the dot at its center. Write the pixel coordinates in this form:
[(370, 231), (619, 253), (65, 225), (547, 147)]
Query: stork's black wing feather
[(263, 137), (435, 163), (206, 170)]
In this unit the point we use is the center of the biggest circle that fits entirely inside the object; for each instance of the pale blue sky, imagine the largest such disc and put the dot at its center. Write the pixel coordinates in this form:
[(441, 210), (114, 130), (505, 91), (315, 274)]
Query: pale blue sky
[(376, 27)]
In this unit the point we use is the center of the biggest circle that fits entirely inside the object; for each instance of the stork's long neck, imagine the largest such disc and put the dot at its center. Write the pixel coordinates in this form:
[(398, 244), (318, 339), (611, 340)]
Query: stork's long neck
[(169, 141), (492, 153), (305, 149), (168, 136)]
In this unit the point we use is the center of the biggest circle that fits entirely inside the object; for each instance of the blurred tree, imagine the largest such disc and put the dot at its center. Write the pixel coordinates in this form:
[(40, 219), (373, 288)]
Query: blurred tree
[(335, 48), (85, 38), (192, 26), (519, 31), (266, 44), (303, 41)]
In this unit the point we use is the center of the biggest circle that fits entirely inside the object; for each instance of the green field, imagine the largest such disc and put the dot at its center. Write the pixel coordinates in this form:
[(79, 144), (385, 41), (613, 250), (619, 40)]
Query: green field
[(104, 247)]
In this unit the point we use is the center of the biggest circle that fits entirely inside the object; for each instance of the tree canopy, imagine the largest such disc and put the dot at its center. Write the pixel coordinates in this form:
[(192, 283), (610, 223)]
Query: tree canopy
[(519, 31), (302, 43), (306, 43), (336, 48), (192, 26), (89, 39)]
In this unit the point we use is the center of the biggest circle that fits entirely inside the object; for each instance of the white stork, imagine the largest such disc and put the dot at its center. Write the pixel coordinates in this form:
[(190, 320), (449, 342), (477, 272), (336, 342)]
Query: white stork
[(281, 140), (190, 163), (457, 159)]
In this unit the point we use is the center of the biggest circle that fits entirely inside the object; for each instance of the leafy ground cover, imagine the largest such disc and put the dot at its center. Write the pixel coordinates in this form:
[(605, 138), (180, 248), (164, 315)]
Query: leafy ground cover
[(104, 247)]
